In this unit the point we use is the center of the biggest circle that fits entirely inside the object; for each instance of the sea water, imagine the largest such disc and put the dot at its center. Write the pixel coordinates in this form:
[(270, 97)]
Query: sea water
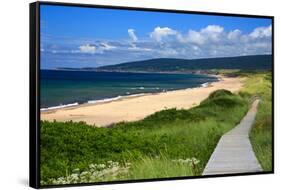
[(69, 88)]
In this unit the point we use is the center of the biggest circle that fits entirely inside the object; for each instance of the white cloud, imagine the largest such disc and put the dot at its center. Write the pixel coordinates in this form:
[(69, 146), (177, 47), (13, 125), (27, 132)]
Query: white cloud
[(105, 46), (94, 48), (212, 32), (234, 34), (195, 37), (159, 33), (132, 35), (212, 29), (141, 49), (261, 32), (196, 48), (209, 33), (87, 48), (210, 41)]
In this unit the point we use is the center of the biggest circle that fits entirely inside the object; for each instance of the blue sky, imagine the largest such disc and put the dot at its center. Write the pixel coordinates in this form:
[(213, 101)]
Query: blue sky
[(90, 37)]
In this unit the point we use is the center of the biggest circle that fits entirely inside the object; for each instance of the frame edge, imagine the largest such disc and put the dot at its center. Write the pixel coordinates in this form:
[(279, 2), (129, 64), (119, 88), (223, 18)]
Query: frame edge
[(34, 172), (34, 117)]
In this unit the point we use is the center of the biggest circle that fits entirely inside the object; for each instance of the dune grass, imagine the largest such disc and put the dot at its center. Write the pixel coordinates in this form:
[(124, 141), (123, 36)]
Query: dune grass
[(260, 84), (168, 143), (161, 167)]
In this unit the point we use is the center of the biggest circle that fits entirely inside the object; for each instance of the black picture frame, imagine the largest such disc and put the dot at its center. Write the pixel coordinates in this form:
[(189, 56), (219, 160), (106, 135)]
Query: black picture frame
[(34, 91)]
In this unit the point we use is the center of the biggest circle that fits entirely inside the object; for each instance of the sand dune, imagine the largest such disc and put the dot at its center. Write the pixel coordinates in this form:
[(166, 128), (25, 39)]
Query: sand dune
[(136, 108)]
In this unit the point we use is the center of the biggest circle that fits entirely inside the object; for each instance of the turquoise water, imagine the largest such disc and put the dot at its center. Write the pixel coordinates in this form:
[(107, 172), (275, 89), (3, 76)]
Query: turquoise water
[(60, 88)]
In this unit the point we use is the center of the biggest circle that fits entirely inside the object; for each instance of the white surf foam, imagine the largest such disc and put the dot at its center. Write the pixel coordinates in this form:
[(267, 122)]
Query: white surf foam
[(204, 85), (60, 106)]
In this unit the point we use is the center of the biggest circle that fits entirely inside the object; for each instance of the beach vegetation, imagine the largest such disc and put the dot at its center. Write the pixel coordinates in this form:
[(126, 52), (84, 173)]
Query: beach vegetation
[(260, 85), (168, 143)]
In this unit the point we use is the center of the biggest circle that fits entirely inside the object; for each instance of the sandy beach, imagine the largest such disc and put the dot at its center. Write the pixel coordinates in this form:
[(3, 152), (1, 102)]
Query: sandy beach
[(136, 108)]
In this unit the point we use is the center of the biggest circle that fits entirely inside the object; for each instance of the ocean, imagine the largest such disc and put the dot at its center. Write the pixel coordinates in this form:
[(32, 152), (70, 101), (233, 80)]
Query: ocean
[(68, 88)]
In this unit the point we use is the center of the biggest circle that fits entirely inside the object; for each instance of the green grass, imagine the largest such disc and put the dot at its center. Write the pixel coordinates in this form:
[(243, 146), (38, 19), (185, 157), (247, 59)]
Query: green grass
[(261, 135), (152, 146), (159, 145), (159, 167), (259, 83)]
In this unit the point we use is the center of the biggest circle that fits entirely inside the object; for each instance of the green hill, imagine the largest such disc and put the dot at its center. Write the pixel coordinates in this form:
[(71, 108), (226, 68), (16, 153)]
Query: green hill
[(255, 62)]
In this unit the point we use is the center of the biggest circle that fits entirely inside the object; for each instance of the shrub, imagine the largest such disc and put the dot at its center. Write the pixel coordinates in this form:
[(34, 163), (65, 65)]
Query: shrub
[(169, 134)]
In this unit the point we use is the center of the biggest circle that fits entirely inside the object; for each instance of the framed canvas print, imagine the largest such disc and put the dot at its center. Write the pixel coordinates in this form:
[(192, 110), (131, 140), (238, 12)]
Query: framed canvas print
[(120, 94)]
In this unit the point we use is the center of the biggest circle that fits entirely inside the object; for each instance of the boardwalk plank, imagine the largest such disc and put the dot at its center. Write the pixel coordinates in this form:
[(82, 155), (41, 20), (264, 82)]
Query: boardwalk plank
[(234, 152)]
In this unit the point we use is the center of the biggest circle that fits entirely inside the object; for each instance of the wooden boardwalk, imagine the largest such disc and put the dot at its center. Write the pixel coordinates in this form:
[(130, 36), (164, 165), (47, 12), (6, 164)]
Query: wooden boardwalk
[(234, 153)]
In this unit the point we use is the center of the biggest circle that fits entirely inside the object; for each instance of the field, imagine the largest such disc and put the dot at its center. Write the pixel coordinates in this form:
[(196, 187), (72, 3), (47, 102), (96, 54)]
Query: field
[(169, 143)]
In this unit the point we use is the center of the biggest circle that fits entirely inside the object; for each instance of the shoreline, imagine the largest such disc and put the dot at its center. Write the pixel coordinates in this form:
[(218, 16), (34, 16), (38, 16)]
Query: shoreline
[(137, 106), (94, 102), (120, 97), (196, 72), (113, 99)]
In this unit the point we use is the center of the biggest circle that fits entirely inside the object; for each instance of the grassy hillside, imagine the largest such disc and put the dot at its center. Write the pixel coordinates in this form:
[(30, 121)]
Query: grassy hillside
[(168, 143), (255, 62)]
